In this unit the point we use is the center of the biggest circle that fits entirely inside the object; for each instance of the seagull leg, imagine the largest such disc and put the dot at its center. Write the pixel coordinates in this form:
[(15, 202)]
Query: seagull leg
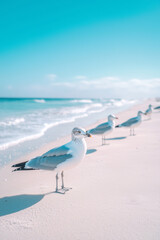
[(103, 140), (130, 131), (58, 190), (57, 182), (133, 132), (64, 188), (62, 177)]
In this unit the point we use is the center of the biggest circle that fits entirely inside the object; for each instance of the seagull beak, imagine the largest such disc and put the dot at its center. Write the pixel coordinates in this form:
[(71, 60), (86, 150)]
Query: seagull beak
[(88, 135), (116, 117)]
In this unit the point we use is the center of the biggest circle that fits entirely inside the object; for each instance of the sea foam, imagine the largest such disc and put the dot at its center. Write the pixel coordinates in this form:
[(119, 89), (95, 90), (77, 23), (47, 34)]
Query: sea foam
[(12, 122)]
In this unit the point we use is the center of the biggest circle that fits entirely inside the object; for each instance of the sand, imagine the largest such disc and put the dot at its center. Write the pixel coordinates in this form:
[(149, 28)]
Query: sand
[(115, 191)]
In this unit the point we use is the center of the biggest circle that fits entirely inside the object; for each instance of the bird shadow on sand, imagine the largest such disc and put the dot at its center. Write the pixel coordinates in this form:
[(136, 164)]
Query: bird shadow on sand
[(146, 119), (13, 204), (89, 151), (116, 138)]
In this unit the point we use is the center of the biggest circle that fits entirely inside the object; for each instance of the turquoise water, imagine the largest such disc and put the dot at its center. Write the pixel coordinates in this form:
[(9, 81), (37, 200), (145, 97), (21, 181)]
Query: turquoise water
[(27, 124)]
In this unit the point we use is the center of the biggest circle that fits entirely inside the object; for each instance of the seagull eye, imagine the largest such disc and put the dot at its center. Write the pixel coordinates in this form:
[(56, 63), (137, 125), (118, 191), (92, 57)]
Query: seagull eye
[(77, 132)]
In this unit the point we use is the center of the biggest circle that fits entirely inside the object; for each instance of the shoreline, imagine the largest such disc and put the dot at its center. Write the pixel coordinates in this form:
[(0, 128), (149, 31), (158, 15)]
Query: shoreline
[(60, 128), (27, 148), (115, 188)]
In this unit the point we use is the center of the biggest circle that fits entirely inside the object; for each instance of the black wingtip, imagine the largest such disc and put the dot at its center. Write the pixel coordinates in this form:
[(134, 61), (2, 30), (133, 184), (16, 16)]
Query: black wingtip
[(17, 169), (23, 169), (22, 164), (19, 166), (117, 126)]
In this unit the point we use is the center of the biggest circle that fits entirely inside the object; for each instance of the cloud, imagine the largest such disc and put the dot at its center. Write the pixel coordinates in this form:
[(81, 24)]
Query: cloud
[(100, 83), (64, 84), (114, 82), (148, 83), (111, 82), (84, 83), (107, 86), (51, 76), (80, 77)]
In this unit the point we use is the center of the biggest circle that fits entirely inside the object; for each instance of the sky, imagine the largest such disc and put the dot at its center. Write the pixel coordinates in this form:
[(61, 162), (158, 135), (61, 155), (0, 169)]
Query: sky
[(86, 49)]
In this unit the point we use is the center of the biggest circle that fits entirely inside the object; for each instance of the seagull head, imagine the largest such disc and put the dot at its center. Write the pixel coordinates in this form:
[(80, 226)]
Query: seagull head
[(112, 117), (80, 133), (140, 113)]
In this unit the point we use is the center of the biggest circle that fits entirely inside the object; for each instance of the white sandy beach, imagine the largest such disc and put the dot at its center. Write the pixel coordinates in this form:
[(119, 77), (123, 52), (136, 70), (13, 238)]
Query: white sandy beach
[(115, 190)]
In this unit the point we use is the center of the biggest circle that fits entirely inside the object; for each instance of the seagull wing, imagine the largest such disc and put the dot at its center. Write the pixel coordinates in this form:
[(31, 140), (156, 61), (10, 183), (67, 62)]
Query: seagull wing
[(97, 131), (103, 125), (64, 149), (51, 159), (129, 122)]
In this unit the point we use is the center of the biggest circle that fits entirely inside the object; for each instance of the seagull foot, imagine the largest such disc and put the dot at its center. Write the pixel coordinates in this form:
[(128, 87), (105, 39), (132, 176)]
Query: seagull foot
[(60, 191), (66, 189)]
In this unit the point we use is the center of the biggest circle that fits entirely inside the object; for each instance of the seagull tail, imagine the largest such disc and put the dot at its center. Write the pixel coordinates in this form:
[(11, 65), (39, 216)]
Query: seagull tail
[(21, 166)]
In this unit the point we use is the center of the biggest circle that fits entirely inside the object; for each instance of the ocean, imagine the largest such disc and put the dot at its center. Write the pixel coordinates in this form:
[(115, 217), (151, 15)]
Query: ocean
[(26, 124)]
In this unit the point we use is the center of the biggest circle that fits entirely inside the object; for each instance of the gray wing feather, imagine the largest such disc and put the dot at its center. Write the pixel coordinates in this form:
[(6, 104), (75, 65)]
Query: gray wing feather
[(97, 131), (49, 162), (129, 122), (57, 151), (103, 125)]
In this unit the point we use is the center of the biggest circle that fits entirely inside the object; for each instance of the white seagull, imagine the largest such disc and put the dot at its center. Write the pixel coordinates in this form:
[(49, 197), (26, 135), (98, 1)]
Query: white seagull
[(148, 112), (104, 128), (61, 158), (158, 107), (132, 123)]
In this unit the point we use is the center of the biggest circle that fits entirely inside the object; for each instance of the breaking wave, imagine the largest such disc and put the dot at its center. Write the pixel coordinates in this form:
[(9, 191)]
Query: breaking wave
[(39, 100), (12, 122)]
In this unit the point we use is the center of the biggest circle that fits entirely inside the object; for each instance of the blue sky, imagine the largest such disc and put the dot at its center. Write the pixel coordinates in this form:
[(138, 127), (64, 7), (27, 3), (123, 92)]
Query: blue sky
[(80, 48)]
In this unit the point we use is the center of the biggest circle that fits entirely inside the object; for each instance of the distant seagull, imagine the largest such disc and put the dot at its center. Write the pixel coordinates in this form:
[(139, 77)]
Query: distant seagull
[(148, 112), (104, 128), (61, 158), (132, 123), (158, 107)]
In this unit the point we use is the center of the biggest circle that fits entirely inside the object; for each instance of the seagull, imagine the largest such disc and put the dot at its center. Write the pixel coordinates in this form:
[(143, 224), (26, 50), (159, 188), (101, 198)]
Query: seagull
[(132, 123), (148, 112), (104, 128), (60, 158), (158, 107)]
